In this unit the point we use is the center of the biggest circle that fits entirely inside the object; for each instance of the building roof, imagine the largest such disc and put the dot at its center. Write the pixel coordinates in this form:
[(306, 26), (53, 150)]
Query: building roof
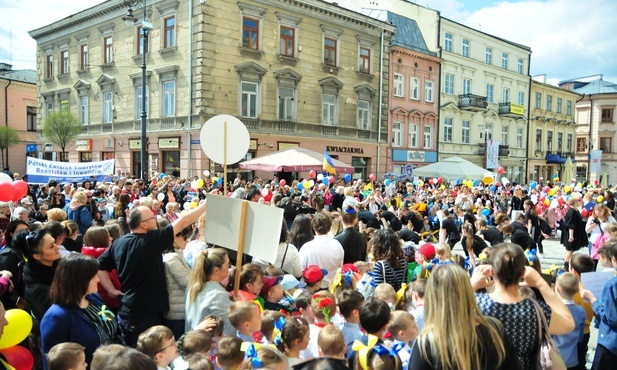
[(591, 85), (408, 34), (524, 47), (24, 75)]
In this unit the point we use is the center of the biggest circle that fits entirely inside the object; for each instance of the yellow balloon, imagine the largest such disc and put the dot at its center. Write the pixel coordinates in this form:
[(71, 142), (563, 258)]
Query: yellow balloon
[(200, 183), (215, 179), (600, 199), (487, 180), (420, 183), (443, 187), (556, 179), (567, 189), (20, 325), (306, 185), (557, 188), (547, 202), (551, 192), (580, 185)]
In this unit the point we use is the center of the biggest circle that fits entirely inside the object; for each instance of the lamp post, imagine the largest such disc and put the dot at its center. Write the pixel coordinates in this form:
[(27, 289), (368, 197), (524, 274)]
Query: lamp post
[(130, 21)]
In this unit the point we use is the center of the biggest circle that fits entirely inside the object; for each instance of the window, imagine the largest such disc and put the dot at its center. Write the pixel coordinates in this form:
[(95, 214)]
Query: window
[(559, 141), (488, 56), (505, 140), (466, 86), (448, 87), (428, 91), (108, 52), (250, 33), (549, 140), (107, 107), (505, 95), (85, 156), (607, 114), (329, 51), (465, 48), (64, 105), (169, 39), (83, 56), (142, 43), (521, 98), (581, 144), (569, 143), (606, 144), (169, 98), (248, 103), (538, 100), (105, 156), (428, 137), (64, 62), (365, 59), (287, 104), (519, 137), (549, 102), (569, 107), (364, 114), (447, 130), (288, 40), (413, 134), (49, 66), (538, 140), (559, 105), (489, 93), (328, 111), (519, 66), (504, 60), (414, 91), (465, 132), (83, 110), (31, 118), (397, 137), (448, 42), (139, 102), (399, 85), (49, 107)]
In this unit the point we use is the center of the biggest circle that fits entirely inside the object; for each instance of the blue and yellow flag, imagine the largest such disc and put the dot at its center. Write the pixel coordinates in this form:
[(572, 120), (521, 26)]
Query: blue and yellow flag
[(328, 163)]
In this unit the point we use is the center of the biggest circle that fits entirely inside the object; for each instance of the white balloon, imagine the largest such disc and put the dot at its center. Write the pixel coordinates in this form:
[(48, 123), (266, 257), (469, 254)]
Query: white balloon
[(160, 197), (5, 178), (206, 173), (187, 205)]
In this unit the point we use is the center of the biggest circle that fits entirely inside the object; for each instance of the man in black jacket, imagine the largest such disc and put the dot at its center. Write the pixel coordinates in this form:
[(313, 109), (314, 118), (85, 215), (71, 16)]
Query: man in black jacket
[(351, 239)]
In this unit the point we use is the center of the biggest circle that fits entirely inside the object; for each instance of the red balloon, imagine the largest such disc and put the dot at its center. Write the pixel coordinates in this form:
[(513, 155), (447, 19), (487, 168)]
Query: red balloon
[(331, 179), (371, 177), (19, 357), (560, 201), (312, 174), (547, 189), (596, 181), (542, 199), (500, 170), (6, 191), (282, 182), (16, 197), (498, 184), (21, 188), (440, 180)]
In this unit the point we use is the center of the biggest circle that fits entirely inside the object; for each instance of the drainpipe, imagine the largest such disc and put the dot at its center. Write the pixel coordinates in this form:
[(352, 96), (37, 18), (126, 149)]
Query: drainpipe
[(190, 92), (525, 180), (590, 145), (381, 57), (438, 93), (5, 155)]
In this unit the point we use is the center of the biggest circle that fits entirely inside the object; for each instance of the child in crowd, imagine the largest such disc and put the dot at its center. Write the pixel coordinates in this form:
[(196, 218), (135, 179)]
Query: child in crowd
[(272, 292), (251, 282), (374, 319), (386, 292), (313, 275), (378, 358), (579, 264), (159, 344), (567, 286), (294, 338), (417, 311), (605, 259), (404, 331), (245, 317), (444, 253), (323, 307), (199, 361), (331, 342), (609, 232), (268, 323), (303, 304), (197, 341), (229, 353), (264, 358), (349, 304), (66, 356)]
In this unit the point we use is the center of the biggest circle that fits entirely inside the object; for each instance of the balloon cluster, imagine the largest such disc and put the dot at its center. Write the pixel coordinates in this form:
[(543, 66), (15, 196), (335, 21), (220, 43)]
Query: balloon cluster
[(12, 190), (20, 325)]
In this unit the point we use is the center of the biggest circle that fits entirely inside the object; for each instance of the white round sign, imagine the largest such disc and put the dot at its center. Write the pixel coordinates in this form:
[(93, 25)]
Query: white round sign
[(214, 143)]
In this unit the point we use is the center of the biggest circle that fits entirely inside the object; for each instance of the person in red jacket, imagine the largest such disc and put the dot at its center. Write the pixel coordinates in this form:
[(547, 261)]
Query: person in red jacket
[(96, 240)]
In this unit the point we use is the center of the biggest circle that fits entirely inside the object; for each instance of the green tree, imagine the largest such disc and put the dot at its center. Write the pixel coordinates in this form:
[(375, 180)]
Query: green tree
[(8, 138), (61, 128)]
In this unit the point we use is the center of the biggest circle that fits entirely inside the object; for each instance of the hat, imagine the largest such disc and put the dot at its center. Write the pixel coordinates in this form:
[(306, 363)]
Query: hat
[(19, 210), (101, 200), (290, 282), (313, 274), (427, 250), (26, 200), (269, 282), (349, 267)]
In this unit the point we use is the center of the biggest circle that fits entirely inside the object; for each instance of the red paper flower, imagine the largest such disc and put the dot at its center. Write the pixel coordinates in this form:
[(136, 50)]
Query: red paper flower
[(325, 303)]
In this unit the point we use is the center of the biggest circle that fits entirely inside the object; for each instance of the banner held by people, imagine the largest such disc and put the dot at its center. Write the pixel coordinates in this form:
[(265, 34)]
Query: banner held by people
[(41, 171)]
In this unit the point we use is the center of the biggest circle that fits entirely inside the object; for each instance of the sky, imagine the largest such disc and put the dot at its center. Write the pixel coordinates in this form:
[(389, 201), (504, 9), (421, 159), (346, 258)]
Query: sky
[(568, 38)]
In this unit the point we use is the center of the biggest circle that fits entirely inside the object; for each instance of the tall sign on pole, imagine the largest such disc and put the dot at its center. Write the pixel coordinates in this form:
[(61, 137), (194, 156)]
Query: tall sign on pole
[(492, 154)]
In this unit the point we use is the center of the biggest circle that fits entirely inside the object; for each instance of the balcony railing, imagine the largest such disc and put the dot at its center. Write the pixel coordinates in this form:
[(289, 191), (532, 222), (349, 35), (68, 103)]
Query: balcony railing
[(510, 109), (472, 102)]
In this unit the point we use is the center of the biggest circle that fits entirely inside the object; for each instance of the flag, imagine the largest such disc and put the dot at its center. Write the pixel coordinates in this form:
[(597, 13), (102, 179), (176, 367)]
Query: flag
[(328, 162)]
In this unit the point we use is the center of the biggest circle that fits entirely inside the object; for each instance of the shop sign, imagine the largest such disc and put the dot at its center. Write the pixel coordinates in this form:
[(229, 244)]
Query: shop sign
[(345, 149)]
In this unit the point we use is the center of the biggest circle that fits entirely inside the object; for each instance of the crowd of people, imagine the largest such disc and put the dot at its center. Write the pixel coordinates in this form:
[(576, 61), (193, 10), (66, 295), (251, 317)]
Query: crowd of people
[(368, 275)]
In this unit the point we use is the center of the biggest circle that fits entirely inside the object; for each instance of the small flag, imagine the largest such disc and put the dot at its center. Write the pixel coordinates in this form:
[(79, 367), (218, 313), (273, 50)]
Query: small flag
[(328, 163)]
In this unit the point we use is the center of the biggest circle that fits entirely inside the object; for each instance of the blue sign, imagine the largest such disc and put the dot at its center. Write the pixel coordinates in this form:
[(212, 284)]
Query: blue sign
[(409, 170), (195, 141), (31, 148)]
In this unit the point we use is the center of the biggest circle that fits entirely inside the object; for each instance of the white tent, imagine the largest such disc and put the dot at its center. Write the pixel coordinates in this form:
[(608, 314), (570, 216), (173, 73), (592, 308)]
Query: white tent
[(451, 168)]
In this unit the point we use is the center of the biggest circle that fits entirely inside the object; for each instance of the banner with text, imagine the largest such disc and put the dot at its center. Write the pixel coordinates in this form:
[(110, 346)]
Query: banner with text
[(40, 171), (492, 154), (595, 161)]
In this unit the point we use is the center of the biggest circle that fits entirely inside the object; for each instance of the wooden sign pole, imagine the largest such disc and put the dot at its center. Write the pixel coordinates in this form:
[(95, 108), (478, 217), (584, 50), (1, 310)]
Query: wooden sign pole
[(245, 206)]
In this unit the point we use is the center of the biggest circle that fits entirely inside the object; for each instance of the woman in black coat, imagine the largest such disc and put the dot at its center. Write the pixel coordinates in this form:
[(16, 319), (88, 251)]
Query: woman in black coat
[(573, 234)]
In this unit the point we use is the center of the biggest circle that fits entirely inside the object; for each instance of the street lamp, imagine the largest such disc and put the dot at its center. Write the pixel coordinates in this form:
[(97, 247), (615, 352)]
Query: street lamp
[(130, 21)]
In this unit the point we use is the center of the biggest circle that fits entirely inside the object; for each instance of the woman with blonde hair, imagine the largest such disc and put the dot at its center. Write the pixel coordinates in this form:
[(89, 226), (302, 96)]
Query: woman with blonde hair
[(205, 294), (474, 341), (72, 242), (78, 211), (337, 225), (596, 227), (56, 214)]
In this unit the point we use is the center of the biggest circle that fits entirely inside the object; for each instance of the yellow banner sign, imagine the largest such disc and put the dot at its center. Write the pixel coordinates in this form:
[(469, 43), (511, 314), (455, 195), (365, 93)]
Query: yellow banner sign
[(517, 109)]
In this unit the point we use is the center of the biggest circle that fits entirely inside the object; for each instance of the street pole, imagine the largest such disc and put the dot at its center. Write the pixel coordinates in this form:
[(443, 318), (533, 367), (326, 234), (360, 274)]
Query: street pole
[(144, 115)]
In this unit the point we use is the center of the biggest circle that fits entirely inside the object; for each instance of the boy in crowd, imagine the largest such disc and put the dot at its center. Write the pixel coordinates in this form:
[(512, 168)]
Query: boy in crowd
[(404, 331), (386, 292), (374, 318), (159, 344), (303, 304), (313, 275), (67, 356), (579, 264), (268, 318), (272, 292), (331, 343), (567, 286), (197, 341), (245, 317), (418, 302), (323, 308), (349, 304), (230, 355)]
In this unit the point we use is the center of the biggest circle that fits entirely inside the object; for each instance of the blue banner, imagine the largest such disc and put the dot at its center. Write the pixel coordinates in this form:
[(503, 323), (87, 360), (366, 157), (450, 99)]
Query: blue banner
[(40, 171)]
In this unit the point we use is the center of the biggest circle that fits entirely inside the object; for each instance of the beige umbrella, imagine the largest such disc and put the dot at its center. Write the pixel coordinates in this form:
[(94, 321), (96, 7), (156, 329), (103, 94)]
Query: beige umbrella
[(604, 182), (568, 173)]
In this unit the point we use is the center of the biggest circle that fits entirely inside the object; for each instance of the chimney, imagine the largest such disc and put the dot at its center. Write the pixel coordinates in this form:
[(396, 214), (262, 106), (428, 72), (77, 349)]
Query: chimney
[(5, 67)]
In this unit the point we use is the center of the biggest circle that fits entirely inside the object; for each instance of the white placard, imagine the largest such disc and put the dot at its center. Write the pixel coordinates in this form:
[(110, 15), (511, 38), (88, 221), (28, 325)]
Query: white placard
[(262, 232), (595, 281), (215, 143)]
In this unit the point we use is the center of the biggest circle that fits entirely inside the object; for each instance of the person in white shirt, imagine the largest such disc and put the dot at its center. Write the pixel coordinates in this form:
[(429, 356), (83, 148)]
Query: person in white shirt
[(322, 251)]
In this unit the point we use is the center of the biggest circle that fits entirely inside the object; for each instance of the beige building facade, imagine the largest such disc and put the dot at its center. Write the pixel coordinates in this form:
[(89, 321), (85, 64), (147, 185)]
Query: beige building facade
[(300, 72)]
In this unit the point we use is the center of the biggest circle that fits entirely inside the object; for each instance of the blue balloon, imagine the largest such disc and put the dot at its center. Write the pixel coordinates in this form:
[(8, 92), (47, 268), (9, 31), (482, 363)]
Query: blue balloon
[(476, 182), (486, 212), (533, 184), (347, 177), (458, 181), (162, 175), (493, 188), (300, 186), (325, 180), (387, 182), (219, 181)]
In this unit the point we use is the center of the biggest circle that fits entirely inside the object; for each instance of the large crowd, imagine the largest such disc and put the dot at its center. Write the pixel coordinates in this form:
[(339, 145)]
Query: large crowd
[(392, 274)]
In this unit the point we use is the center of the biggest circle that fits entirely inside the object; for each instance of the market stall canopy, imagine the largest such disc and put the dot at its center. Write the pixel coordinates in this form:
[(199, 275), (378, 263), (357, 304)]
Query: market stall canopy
[(451, 168), (293, 160)]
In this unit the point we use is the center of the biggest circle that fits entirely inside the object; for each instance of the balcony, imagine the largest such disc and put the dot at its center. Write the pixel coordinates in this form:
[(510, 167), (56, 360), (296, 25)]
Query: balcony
[(472, 102), (504, 150), (511, 110)]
